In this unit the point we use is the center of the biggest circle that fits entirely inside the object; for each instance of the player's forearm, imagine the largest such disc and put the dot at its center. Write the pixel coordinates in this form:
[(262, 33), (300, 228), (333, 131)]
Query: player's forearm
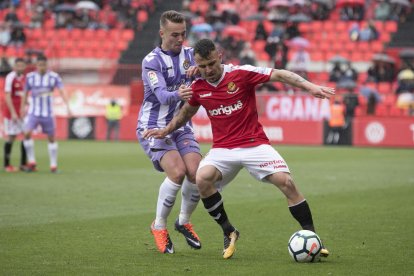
[(178, 121), (166, 97), (9, 105), (290, 78)]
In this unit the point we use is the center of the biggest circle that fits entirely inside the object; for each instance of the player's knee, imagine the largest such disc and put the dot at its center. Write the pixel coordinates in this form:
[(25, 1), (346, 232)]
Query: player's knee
[(177, 175), (284, 181), (191, 176)]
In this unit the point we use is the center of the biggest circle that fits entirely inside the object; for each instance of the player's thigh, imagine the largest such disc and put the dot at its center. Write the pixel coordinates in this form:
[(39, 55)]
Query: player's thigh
[(263, 161), (227, 163), (48, 126), (173, 165), (191, 161)]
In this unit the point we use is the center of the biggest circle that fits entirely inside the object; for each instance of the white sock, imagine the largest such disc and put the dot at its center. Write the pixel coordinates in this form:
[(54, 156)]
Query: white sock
[(166, 199), (53, 152), (29, 146), (189, 201)]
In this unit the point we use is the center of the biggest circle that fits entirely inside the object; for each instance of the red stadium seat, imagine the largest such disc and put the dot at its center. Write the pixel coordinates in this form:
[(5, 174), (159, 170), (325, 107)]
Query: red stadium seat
[(317, 56), (127, 35), (341, 27), (377, 46), (101, 34), (381, 110), (385, 88), (396, 112), (360, 111), (390, 26), (76, 34)]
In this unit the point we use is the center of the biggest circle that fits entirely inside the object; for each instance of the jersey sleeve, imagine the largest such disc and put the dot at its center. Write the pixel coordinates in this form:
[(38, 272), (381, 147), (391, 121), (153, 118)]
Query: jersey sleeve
[(153, 77), (255, 75), (9, 82)]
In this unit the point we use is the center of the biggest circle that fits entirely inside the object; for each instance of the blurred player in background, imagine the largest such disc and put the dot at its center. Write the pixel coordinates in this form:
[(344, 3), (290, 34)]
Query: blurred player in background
[(166, 71), (13, 121), (227, 92), (41, 84)]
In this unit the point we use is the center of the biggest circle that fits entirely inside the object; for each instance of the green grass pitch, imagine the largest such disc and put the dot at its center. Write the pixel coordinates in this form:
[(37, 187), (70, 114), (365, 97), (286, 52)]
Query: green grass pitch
[(94, 216)]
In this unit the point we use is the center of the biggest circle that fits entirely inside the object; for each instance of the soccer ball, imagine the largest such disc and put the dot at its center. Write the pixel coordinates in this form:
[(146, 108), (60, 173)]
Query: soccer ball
[(305, 246)]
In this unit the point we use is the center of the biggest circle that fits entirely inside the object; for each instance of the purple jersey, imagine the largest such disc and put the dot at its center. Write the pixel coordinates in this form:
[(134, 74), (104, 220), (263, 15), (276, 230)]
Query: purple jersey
[(41, 88), (163, 73)]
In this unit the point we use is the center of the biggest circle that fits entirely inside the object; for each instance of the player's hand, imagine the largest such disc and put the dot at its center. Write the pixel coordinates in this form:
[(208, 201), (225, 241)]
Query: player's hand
[(155, 133), (185, 92), (22, 111), (192, 71), (14, 117), (321, 92)]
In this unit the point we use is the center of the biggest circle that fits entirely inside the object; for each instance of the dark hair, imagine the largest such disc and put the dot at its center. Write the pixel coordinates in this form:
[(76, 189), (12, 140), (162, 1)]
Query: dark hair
[(204, 47), (172, 16), (19, 60), (41, 58)]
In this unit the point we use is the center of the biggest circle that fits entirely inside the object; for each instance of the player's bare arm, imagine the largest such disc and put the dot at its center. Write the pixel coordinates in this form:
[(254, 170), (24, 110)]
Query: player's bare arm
[(294, 79), (10, 106), (23, 104), (63, 95), (185, 114)]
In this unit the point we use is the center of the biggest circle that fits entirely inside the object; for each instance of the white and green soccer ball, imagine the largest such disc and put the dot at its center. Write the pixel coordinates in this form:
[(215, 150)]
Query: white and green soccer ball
[(305, 246)]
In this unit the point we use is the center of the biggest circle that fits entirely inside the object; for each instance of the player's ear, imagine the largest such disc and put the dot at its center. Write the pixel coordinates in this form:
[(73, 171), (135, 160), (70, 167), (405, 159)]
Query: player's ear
[(161, 32)]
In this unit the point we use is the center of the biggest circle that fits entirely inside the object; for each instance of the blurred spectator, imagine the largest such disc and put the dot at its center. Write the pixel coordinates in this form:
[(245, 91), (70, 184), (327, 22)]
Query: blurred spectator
[(336, 121), (107, 18), (351, 102), (280, 56), (247, 56), (4, 36), (11, 17), (351, 12), (381, 72), (405, 81), (292, 31), (5, 66), (399, 12), (349, 73), (278, 31), (37, 16), (300, 62), (321, 10), (382, 10), (372, 96), (17, 37), (113, 116), (369, 33), (261, 33), (336, 73), (354, 32)]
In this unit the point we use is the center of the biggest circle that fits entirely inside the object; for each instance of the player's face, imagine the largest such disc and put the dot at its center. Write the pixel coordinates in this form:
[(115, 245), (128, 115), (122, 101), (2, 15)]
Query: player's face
[(210, 68), (19, 67), (173, 36), (41, 66)]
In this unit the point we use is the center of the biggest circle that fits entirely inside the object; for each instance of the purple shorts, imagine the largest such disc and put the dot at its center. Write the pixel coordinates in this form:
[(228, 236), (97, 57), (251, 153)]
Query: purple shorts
[(181, 141), (47, 124)]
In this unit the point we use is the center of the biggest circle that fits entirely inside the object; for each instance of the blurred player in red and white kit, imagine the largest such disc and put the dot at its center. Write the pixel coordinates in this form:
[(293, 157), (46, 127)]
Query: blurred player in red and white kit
[(227, 93), (13, 122)]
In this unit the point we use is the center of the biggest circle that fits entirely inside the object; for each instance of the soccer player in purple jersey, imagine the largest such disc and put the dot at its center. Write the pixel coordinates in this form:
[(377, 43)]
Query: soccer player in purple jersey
[(41, 84), (167, 72)]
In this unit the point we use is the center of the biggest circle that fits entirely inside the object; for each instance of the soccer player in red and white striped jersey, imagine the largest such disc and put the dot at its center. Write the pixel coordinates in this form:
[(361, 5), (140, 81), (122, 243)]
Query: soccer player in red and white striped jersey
[(13, 121), (227, 93)]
